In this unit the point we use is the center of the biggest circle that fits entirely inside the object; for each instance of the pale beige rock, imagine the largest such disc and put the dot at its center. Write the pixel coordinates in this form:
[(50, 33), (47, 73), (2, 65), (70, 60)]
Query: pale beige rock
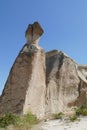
[(25, 88), (83, 70), (64, 85), (43, 89), (35, 94), (33, 33)]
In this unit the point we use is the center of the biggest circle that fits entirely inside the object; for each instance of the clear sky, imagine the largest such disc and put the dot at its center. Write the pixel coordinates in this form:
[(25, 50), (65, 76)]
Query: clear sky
[(64, 23)]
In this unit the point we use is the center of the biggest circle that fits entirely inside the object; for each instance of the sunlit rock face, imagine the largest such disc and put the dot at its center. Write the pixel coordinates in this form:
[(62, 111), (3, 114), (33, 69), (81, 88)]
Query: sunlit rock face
[(83, 70), (33, 33), (25, 88), (43, 83), (65, 87)]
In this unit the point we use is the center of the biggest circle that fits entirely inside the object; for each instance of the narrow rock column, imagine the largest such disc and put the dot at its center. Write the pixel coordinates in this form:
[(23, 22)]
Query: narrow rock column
[(35, 94), (25, 88)]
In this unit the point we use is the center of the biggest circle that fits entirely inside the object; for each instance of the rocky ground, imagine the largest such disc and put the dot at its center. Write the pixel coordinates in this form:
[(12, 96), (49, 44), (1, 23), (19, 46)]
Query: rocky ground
[(64, 124), (59, 124)]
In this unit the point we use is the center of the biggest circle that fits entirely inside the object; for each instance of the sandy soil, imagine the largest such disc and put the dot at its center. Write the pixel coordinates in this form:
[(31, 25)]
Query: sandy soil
[(61, 124), (64, 124)]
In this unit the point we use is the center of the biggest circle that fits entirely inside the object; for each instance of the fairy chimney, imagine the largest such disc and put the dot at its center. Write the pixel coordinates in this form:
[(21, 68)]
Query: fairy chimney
[(25, 88)]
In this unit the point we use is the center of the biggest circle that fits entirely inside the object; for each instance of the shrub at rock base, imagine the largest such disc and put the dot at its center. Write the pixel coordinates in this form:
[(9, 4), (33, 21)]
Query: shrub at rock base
[(81, 111), (18, 121)]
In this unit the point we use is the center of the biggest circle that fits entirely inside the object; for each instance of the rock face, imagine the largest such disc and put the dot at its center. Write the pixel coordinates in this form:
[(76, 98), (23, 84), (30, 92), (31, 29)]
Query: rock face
[(66, 85), (25, 87), (33, 86), (33, 33)]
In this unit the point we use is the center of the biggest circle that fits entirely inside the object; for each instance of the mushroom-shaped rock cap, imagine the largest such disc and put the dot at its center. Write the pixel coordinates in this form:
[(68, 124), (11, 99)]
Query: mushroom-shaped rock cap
[(33, 32)]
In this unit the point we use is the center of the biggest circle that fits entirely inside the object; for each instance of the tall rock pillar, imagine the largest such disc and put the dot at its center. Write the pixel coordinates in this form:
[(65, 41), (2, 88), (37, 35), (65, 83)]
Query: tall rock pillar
[(25, 88)]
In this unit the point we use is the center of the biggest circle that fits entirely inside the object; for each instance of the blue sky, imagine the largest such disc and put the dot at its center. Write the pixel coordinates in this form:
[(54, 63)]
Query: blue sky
[(64, 23)]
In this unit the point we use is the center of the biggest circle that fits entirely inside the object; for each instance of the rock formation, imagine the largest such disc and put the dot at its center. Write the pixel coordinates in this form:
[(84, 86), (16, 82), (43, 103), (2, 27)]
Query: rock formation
[(25, 88), (33, 33), (33, 86), (66, 85)]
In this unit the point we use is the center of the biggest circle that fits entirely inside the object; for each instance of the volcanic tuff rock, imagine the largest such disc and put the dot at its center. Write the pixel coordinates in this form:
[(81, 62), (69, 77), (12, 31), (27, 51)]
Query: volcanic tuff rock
[(66, 85), (33, 86), (25, 87), (33, 33)]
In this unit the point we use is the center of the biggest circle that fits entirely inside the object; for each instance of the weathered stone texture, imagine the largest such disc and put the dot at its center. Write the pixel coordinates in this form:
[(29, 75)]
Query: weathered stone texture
[(13, 95), (25, 87), (64, 86), (33, 33), (33, 86), (35, 95)]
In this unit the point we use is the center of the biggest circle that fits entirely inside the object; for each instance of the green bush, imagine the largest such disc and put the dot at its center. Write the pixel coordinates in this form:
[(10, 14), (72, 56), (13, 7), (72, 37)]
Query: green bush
[(81, 111), (7, 119), (58, 115), (26, 121), (73, 118), (30, 118)]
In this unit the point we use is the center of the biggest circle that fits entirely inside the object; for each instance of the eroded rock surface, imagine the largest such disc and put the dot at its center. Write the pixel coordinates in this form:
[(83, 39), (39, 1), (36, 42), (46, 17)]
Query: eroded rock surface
[(33, 33), (25, 88), (40, 87), (65, 87)]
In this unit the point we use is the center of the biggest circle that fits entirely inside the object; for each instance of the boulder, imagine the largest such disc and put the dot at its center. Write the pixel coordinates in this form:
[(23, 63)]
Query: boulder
[(33, 33)]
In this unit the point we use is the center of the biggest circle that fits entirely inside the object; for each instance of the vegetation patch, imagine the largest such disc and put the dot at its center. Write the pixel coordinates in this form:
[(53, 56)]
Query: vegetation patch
[(73, 118), (81, 111), (58, 115), (26, 121)]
